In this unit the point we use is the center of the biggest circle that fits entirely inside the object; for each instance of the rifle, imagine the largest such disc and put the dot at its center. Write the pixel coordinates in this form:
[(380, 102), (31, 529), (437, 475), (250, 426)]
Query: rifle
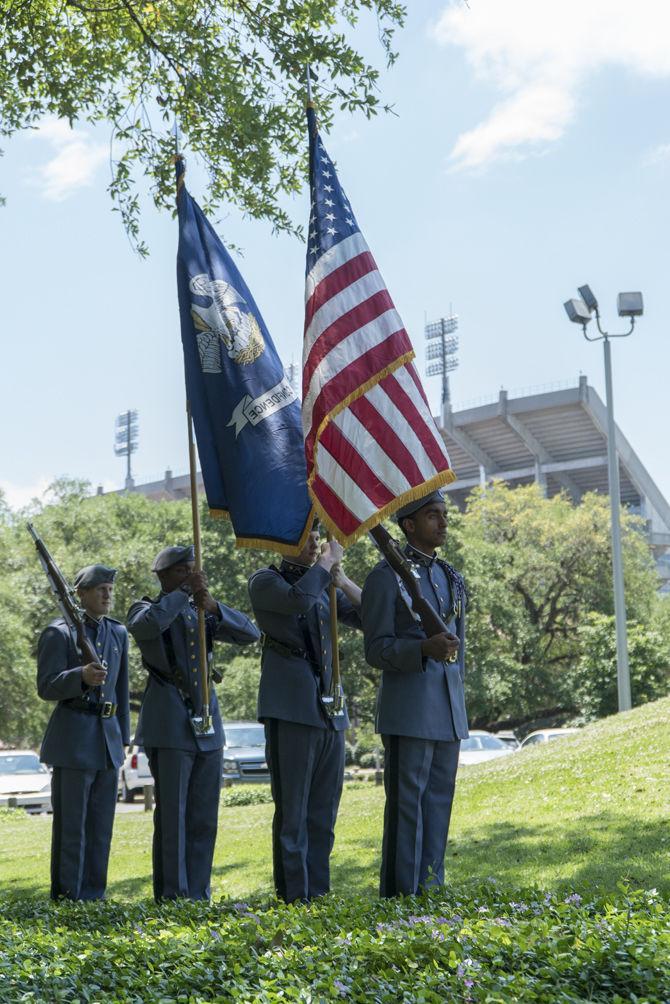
[(66, 598), (431, 622)]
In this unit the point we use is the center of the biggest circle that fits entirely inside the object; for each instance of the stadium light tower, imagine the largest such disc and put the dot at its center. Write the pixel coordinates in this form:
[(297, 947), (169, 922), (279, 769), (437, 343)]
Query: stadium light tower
[(126, 441), (443, 351), (580, 311)]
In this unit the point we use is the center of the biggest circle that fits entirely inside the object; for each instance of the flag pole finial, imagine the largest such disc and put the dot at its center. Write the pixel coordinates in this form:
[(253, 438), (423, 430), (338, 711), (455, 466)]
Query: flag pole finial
[(178, 158), (310, 102)]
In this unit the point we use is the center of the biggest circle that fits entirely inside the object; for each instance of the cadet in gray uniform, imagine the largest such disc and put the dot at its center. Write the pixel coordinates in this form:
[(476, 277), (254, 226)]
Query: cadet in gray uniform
[(305, 746), (85, 736), (186, 768), (421, 706)]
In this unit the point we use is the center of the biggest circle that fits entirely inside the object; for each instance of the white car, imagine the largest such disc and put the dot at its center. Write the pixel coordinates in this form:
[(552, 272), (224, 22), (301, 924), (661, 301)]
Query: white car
[(545, 736), (509, 738), (24, 781), (134, 775), (482, 746)]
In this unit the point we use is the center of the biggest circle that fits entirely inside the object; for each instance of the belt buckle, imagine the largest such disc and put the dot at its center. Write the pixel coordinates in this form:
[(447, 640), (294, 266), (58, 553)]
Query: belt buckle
[(107, 710)]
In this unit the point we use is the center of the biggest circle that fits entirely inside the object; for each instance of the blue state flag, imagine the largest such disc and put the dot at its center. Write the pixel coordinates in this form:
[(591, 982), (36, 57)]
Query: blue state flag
[(245, 412)]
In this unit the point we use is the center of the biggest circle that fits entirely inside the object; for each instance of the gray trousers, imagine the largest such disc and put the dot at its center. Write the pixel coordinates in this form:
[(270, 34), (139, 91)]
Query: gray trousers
[(186, 788), (83, 802), (419, 778), (306, 770)]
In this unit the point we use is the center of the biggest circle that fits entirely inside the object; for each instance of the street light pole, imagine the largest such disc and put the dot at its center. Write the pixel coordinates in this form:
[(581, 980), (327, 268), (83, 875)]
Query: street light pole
[(623, 670), (579, 311)]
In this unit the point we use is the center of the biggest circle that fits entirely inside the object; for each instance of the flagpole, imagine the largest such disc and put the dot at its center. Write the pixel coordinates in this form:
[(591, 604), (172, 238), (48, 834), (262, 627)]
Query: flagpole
[(337, 705), (201, 723), (197, 544), (336, 679)]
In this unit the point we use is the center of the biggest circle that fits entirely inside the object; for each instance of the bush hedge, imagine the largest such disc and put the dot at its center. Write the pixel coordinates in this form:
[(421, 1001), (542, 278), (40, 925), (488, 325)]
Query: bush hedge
[(246, 795), (468, 943)]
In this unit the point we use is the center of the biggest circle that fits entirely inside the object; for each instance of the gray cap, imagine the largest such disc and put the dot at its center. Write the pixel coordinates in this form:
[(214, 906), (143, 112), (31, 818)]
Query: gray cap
[(94, 575), (416, 504), (170, 556)]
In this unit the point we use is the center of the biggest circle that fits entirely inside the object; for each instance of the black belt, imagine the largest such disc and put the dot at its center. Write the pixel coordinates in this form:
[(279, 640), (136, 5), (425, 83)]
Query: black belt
[(285, 650), (103, 709)]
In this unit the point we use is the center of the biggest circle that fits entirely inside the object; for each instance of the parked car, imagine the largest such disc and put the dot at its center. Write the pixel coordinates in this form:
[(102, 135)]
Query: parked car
[(545, 736), (244, 753), (134, 775), (24, 781), (509, 738), (482, 746)]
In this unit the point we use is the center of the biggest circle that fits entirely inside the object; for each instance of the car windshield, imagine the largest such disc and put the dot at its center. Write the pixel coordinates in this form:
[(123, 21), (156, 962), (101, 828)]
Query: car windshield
[(492, 743), (473, 743), (245, 735), (21, 763)]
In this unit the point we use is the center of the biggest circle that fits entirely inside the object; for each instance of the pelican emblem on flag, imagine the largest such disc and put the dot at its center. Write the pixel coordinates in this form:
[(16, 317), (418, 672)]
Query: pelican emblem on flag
[(225, 320)]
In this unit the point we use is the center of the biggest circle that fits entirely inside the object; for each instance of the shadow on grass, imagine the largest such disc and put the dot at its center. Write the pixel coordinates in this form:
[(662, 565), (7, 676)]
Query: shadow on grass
[(599, 851), (356, 869)]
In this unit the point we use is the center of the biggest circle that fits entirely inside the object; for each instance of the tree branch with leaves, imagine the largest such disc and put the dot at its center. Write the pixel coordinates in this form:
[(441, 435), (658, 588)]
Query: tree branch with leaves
[(232, 74)]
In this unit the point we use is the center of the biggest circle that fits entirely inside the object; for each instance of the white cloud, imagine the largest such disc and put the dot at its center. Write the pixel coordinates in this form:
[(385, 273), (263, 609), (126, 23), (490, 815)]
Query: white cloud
[(17, 495), (659, 155), (538, 54), (76, 159)]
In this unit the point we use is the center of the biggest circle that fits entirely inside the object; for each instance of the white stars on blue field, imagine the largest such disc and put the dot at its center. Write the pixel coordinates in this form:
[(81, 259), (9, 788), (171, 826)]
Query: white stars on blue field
[(331, 218)]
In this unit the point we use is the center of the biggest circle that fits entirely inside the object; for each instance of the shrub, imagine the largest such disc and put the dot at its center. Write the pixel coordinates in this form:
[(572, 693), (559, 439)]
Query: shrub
[(246, 795), (470, 943)]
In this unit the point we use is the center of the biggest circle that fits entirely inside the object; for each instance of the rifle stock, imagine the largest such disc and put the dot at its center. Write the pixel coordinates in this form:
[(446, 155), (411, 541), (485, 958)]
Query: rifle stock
[(431, 622)]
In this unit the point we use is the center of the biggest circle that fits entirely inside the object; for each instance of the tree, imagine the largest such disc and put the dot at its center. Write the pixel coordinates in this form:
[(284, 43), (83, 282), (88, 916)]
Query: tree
[(536, 568), (230, 72), (594, 679)]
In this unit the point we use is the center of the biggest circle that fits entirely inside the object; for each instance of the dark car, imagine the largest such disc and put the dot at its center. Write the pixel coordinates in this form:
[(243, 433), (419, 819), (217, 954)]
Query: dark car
[(244, 753)]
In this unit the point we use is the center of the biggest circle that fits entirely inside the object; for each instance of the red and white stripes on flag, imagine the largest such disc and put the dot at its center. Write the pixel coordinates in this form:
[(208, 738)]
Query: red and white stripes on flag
[(371, 443)]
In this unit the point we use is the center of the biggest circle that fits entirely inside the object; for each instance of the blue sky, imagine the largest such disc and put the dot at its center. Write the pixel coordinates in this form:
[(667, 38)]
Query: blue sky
[(530, 154)]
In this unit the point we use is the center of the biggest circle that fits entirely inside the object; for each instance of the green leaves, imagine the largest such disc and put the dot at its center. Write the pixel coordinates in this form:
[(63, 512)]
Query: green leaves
[(537, 570), (476, 943), (231, 74)]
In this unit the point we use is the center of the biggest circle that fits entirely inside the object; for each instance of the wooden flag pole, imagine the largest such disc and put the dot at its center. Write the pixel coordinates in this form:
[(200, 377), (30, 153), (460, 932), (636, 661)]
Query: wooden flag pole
[(336, 708), (201, 723), (205, 726)]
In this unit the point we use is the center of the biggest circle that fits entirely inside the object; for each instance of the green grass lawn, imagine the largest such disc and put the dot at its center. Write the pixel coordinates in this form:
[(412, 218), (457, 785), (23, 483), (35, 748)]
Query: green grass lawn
[(547, 850), (585, 811)]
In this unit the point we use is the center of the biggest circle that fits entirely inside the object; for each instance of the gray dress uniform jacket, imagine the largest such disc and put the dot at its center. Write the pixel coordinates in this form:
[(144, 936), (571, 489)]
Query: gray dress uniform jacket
[(418, 697), (75, 738), (166, 630), (292, 607)]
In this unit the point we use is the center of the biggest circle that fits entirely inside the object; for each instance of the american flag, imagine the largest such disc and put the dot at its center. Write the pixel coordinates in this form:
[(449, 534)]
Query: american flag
[(371, 443)]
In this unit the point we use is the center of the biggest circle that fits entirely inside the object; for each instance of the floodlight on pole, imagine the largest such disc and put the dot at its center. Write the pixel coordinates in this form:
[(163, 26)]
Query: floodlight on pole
[(629, 305), (588, 297), (444, 351), (579, 312), (126, 440)]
